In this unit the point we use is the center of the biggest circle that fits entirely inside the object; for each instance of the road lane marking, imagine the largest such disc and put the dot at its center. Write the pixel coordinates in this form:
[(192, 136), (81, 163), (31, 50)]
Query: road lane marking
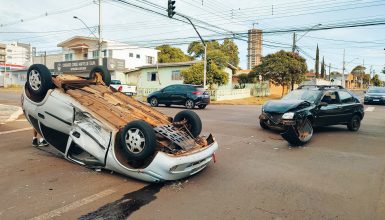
[(370, 109), (74, 205), (14, 131)]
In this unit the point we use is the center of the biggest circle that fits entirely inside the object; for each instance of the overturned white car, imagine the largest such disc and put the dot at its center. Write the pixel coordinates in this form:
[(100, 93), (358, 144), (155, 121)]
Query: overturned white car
[(96, 126)]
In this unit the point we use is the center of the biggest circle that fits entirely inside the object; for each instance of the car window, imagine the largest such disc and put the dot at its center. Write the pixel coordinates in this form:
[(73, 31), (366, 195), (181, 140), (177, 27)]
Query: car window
[(180, 88), (330, 97), (303, 94), (169, 89), (345, 97)]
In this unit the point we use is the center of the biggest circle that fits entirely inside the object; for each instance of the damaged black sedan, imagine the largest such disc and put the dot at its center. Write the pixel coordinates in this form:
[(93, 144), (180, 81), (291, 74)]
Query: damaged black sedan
[(299, 111)]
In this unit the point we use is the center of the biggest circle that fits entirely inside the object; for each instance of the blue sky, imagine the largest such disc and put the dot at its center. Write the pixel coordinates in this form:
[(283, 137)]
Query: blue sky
[(45, 23)]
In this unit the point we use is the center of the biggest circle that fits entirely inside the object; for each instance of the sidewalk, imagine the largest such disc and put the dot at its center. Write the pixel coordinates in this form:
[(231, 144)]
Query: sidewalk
[(9, 113)]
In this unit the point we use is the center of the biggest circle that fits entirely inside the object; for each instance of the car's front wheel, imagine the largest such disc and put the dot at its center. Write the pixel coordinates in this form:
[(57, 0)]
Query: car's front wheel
[(202, 106), (138, 140), (300, 134), (39, 80), (263, 124), (354, 123), (154, 102)]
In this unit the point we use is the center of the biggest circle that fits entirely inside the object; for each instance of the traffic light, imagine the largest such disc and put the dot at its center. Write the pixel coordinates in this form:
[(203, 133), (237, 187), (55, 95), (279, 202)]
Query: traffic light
[(171, 8)]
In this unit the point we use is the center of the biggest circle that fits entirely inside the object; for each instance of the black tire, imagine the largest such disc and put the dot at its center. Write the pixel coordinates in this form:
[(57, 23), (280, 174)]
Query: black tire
[(138, 140), (154, 102), (189, 104), (263, 124), (294, 135), (106, 76), (168, 105), (354, 123), (202, 106), (39, 80), (194, 123)]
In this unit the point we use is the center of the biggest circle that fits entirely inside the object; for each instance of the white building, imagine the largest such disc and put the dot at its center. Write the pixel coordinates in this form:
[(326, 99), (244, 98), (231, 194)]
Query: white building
[(19, 54)]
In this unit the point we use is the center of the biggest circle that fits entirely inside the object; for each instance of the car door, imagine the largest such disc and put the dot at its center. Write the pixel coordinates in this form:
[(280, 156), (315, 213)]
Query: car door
[(329, 114), (347, 105), (166, 93), (179, 94)]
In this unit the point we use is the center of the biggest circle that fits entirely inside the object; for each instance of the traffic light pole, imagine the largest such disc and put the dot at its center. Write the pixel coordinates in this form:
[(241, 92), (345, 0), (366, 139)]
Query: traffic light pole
[(205, 56)]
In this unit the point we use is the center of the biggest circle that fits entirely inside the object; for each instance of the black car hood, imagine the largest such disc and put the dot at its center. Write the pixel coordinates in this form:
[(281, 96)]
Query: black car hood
[(282, 106)]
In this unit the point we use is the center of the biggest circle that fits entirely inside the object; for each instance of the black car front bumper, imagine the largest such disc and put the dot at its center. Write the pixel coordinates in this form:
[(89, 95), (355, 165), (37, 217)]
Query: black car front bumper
[(275, 120), (374, 99)]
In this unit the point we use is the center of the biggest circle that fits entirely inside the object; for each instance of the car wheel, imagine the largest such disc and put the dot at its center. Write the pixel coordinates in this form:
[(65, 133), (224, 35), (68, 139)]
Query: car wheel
[(39, 80), (154, 102), (202, 106), (189, 104), (354, 123), (193, 124), (106, 76), (168, 105), (263, 124), (300, 134), (138, 140)]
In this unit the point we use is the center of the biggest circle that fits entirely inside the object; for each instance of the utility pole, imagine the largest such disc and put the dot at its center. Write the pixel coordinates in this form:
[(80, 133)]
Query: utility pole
[(363, 72), (45, 58), (294, 46), (329, 69), (100, 57), (343, 71)]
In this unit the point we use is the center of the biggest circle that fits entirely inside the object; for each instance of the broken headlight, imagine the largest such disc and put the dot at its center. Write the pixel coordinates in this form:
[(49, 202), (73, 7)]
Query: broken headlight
[(288, 115)]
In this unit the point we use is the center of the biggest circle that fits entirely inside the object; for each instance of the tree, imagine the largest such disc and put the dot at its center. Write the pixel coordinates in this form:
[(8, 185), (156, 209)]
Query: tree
[(170, 54), (221, 54), (215, 75), (358, 72), (243, 79), (282, 68), (317, 62), (375, 81), (335, 74), (323, 70)]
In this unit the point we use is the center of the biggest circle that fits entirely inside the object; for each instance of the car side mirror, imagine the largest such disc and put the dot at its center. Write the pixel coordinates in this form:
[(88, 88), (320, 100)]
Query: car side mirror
[(321, 104)]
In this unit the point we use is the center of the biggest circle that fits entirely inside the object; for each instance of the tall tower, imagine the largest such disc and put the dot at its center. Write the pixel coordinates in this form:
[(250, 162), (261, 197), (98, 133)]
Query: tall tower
[(254, 48)]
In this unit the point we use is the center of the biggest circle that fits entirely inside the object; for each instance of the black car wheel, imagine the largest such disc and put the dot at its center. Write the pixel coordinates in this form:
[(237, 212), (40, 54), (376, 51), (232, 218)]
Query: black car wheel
[(189, 104), (39, 80), (106, 76), (263, 124), (300, 134), (202, 106), (193, 124), (168, 105), (354, 123), (154, 102), (138, 140)]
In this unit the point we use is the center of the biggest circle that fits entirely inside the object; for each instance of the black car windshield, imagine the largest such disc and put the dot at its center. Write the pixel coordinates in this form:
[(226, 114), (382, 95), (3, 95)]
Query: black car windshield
[(302, 94), (377, 90)]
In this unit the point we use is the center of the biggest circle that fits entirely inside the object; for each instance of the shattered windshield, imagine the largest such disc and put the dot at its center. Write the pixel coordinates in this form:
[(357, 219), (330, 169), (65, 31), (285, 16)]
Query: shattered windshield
[(303, 94)]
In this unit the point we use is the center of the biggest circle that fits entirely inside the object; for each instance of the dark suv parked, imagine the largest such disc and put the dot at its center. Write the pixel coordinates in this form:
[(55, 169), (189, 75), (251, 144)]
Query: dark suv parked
[(187, 95), (308, 106)]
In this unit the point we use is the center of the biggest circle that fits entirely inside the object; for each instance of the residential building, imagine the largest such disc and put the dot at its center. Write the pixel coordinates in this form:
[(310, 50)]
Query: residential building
[(254, 48), (80, 54), (19, 54), (3, 54)]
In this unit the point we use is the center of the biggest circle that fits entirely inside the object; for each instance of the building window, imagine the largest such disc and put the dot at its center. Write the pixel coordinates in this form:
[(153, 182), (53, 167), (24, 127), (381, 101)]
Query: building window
[(9, 57), (149, 60), (151, 76), (85, 56), (68, 57), (95, 54), (175, 75), (131, 55), (138, 56), (9, 51)]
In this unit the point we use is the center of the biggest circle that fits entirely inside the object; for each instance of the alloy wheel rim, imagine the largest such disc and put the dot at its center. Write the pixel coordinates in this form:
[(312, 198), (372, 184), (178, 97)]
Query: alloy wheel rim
[(154, 101), (305, 131), (34, 80), (135, 140), (189, 104)]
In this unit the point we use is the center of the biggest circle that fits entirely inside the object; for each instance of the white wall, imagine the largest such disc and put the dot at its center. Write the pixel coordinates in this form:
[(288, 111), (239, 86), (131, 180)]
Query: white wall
[(19, 55)]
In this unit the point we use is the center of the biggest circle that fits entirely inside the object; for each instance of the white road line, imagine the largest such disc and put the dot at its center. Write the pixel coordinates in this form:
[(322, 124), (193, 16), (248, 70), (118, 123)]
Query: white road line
[(14, 131), (370, 109), (74, 205)]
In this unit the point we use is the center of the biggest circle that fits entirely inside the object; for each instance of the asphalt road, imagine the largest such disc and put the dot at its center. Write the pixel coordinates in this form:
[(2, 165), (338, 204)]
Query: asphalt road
[(338, 175)]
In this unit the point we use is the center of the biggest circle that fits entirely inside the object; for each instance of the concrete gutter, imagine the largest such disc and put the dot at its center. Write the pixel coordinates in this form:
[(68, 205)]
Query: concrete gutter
[(9, 113)]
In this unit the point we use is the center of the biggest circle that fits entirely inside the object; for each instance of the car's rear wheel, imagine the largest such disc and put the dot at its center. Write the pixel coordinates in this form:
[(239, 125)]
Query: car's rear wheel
[(354, 123), (189, 104), (39, 80), (105, 74), (138, 140), (202, 106), (193, 121), (263, 124), (154, 102)]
